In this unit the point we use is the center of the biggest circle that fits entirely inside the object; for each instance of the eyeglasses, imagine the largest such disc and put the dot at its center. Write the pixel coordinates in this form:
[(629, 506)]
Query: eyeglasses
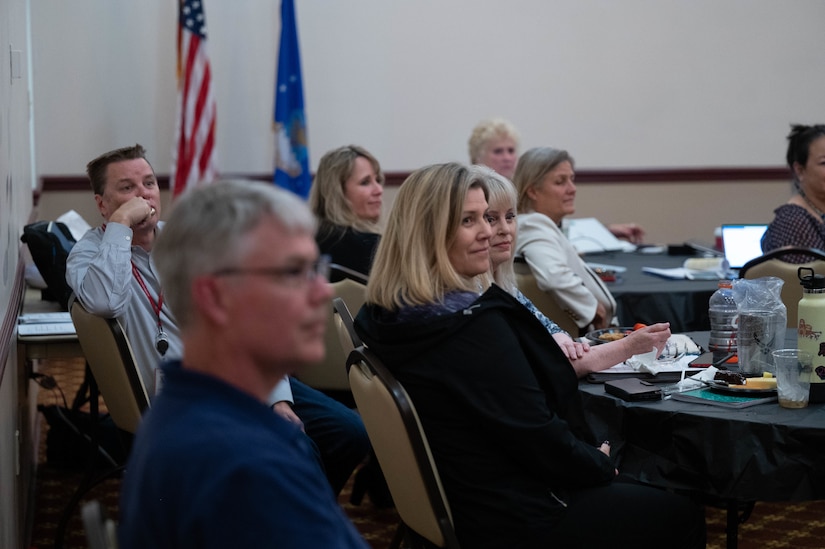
[(294, 277)]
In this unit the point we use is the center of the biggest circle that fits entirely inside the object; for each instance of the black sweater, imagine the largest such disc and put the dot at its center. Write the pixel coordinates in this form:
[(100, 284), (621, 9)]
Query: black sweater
[(347, 247), (499, 403)]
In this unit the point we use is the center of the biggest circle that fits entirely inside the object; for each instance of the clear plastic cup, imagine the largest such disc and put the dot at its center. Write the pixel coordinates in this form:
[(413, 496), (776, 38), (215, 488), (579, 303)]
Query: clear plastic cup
[(793, 377)]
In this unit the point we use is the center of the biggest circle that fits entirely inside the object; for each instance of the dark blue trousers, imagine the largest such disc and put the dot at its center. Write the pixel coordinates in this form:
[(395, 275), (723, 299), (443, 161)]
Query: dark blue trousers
[(337, 432)]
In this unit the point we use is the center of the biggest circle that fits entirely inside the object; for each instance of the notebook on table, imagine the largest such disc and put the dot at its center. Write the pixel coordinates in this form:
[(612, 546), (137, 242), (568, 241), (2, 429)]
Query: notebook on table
[(742, 242)]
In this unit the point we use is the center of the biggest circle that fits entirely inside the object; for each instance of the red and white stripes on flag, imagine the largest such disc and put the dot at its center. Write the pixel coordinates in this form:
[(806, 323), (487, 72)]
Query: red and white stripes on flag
[(194, 159)]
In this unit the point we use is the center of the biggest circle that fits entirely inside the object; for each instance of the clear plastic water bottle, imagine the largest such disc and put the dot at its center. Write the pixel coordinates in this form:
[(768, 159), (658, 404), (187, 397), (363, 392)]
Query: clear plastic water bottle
[(722, 313)]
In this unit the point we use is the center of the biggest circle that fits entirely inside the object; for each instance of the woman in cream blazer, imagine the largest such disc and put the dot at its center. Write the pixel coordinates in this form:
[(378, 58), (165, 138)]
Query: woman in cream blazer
[(544, 179)]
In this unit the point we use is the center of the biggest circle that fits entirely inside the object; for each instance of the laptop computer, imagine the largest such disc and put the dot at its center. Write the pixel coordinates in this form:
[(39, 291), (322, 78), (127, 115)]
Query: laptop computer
[(742, 242)]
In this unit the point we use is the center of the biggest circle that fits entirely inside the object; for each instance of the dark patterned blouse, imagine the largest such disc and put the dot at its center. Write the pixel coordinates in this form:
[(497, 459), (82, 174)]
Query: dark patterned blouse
[(794, 226)]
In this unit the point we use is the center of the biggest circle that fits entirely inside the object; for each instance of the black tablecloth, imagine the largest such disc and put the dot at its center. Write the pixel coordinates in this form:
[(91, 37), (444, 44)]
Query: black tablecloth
[(647, 298), (761, 453)]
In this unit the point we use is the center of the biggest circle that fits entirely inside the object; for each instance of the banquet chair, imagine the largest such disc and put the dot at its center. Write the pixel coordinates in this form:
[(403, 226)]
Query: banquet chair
[(101, 531), (115, 377), (773, 264), (545, 302), (345, 327), (401, 446), (112, 362), (330, 375)]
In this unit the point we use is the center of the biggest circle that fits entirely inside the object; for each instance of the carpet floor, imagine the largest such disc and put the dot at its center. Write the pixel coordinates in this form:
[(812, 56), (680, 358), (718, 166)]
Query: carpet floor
[(771, 525)]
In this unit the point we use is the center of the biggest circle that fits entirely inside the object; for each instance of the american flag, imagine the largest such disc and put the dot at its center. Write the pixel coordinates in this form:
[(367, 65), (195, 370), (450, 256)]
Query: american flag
[(193, 155)]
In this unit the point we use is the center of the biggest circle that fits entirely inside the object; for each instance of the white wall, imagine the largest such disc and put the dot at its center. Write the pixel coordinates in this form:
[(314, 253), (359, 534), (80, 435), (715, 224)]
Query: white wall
[(16, 179), (636, 83)]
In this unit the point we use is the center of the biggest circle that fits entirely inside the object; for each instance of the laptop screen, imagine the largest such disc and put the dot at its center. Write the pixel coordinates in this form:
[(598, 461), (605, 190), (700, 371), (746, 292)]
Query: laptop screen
[(742, 243)]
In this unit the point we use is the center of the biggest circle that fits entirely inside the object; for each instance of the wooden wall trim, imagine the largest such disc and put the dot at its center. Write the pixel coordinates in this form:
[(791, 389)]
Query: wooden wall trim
[(634, 175)]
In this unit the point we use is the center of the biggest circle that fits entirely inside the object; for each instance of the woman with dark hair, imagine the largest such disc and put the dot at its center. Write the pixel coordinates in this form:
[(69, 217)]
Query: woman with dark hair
[(346, 197), (495, 394), (801, 220)]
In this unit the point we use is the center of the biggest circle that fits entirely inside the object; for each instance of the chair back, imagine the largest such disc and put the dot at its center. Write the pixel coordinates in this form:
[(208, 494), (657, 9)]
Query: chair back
[(545, 301), (401, 447), (345, 326), (773, 264), (331, 374), (113, 366)]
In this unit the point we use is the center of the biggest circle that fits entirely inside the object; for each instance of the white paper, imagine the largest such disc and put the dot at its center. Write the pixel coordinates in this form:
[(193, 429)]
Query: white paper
[(44, 318), (39, 328), (588, 235), (694, 268), (681, 364), (676, 273), (76, 224)]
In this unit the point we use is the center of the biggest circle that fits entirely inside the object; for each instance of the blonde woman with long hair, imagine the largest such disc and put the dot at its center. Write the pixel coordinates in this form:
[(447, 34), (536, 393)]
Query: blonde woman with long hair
[(495, 394), (346, 197)]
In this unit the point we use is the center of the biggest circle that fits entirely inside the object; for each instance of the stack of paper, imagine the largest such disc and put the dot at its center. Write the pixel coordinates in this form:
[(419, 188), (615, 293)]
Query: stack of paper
[(45, 324), (694, 268)]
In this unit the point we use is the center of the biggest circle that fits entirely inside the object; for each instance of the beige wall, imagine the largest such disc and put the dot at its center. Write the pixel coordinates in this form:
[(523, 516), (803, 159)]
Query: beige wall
[(630, 84), (674, 212), (669, 212)]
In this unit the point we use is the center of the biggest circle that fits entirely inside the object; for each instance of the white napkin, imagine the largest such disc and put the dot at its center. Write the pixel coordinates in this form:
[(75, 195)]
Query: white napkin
[(645, 362), (678, 345), (693, 382)]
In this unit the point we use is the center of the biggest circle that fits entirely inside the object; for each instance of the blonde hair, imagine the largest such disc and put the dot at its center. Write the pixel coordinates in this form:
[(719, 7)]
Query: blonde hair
[(412, 266), (501, 191), (326, 197), (531, 169), (486, 131)]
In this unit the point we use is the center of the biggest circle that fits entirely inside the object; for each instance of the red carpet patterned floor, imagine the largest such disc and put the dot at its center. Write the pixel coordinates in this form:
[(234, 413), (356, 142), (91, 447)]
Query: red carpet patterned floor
[(771, 525)]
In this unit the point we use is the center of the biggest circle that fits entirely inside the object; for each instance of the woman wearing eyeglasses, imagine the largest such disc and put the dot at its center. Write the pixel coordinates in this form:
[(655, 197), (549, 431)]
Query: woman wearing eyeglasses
[(496, 395), (346, 197)]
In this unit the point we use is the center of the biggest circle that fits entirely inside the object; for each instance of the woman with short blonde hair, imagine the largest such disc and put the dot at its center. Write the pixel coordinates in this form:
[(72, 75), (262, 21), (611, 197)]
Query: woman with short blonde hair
[(494, 143)]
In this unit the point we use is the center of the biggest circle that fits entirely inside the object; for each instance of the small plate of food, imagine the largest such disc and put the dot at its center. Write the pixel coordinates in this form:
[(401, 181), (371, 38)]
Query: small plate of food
[(735, 383), (606, 335)]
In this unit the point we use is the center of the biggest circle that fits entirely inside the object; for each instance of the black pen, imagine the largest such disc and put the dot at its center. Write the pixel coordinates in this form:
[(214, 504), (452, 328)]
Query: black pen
[(720, 363)]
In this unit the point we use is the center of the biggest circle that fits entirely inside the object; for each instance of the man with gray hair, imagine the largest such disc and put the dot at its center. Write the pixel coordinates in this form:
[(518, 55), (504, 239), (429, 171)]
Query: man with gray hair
[(211, 465)]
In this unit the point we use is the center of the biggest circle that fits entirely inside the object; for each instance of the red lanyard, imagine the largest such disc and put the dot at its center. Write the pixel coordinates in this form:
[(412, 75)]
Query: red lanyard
[(162, 340), (156, 305)]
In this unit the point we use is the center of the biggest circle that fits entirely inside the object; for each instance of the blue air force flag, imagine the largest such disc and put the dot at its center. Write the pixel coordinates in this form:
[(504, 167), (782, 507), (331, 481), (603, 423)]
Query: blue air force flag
[(291, 154)]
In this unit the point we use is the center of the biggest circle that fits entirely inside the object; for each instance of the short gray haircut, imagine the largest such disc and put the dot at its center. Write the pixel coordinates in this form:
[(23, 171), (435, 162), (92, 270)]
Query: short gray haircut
[(206, 230)]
